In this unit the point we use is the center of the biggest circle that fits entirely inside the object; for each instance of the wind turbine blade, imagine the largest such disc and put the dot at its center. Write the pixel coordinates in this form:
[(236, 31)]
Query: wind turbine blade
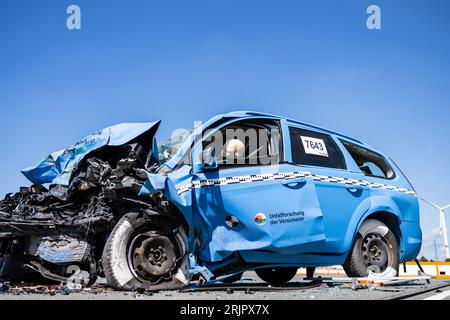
[(447, 206), (430, 203)]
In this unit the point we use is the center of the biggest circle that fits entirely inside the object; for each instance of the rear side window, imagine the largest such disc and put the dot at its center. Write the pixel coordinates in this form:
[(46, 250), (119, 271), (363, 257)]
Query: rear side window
[(315, 149), (369, 162)]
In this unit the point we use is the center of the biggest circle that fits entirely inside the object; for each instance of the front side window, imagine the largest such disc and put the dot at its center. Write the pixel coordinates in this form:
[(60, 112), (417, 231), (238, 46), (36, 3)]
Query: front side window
[(169, 147), (369, 162), (250, 142), (315, 149)]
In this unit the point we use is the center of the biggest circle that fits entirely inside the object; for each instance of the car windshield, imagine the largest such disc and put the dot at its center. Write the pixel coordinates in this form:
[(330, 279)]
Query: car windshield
[(170, 146)]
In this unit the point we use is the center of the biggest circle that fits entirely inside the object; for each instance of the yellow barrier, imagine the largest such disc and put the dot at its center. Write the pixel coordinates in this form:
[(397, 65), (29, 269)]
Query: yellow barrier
[(439, 270)]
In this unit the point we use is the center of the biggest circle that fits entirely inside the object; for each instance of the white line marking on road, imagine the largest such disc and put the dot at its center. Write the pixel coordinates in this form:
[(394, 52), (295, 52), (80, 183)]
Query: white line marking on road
[(439, 296)]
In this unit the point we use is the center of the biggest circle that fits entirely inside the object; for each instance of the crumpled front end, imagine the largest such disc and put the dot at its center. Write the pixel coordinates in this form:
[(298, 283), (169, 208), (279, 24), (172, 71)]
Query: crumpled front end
[(77, 197)]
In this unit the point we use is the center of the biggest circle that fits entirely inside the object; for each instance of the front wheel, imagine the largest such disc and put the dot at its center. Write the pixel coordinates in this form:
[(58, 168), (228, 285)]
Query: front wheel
[(146, 253), (375, 250), (277, 276)]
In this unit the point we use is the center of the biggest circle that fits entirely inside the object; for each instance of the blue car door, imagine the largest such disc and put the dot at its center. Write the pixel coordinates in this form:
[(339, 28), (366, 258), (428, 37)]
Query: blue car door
[(272, 207), (339, 191)]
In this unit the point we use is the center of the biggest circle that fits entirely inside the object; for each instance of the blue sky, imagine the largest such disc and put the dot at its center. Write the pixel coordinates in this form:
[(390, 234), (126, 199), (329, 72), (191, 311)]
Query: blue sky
[(181, 61)]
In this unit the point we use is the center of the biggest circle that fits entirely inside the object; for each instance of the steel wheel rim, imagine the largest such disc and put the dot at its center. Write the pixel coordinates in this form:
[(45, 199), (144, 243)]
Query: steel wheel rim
[(376, 253), (152, 256)]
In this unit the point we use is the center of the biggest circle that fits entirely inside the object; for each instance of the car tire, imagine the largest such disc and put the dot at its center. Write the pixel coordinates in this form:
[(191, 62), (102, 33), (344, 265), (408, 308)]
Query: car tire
[(277, 276), (144, 253), (375, 250)]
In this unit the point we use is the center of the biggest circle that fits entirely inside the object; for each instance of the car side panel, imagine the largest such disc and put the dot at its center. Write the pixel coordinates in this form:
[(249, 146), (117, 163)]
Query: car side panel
[(206, 214)]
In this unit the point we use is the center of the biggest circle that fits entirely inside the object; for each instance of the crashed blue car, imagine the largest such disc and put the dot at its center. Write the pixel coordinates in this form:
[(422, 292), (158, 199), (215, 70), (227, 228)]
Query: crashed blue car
[(241, 191)]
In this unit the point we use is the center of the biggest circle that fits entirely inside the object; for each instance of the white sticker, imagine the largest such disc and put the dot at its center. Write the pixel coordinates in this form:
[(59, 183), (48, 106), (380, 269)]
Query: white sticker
[(314, 146)]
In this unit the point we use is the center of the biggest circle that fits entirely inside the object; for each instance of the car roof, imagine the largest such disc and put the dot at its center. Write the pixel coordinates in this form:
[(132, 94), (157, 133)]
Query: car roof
[(241, 114)]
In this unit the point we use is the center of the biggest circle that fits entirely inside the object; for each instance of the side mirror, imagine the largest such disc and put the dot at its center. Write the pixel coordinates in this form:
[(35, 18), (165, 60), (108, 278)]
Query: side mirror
[(209, 159)]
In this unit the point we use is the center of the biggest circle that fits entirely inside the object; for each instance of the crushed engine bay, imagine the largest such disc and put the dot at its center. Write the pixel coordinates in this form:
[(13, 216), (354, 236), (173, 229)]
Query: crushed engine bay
[(48, 228)]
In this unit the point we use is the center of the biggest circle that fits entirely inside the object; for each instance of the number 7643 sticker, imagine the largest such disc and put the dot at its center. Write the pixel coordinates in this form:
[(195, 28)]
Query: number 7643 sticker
[(314, 146)]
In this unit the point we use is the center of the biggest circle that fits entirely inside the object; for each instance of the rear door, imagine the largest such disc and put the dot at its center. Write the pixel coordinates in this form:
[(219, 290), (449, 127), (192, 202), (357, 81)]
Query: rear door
[(338, 190)]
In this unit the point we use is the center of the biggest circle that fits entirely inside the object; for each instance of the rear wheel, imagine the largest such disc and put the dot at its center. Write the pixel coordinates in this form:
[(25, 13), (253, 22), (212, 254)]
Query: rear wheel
[(144, 253), (277, 276), (375, 250)]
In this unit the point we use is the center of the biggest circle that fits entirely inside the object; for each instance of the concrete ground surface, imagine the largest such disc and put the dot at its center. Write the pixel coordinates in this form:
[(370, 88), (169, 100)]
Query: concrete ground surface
[(249, 288)]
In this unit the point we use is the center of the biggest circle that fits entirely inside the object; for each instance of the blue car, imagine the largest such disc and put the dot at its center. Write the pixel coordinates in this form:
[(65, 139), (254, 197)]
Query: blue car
[(241, 191)]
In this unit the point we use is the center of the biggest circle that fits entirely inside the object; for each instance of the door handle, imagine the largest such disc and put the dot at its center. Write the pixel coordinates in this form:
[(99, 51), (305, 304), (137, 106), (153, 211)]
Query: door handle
[(289, 182), (353, 189)]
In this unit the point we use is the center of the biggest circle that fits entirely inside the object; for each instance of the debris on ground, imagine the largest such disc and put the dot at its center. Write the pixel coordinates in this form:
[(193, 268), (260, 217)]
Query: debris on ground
[(51, 289)]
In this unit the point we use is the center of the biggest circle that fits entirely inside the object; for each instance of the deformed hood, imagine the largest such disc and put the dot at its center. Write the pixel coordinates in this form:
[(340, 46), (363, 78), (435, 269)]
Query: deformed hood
[(57, 168)]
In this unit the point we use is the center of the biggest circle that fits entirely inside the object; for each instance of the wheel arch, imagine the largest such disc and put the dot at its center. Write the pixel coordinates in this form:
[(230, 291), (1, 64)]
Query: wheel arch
[(378, 208), (174, 212)]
